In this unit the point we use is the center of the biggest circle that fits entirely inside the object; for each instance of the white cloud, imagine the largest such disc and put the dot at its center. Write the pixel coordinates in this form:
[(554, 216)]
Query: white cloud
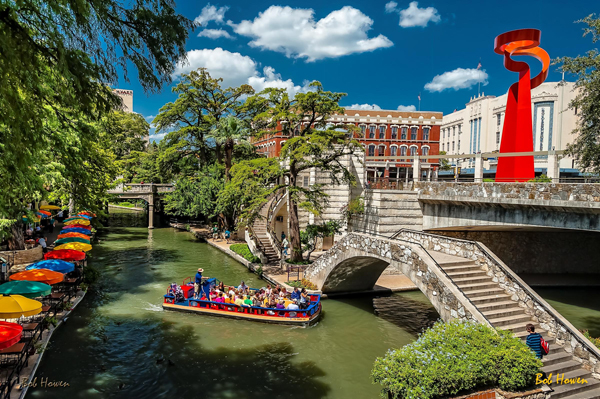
[(294, 32), (457, 79), (413, 15), (391, 7), (211, 13), (366, 107), (150, 118), (407, 108), (236, 69), (215, 34)]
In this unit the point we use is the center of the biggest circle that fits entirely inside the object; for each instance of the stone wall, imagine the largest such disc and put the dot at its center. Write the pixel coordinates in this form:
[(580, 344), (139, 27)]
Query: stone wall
[(356, 262), (26, 256), (500, 394), (535, 306), (564, 252)]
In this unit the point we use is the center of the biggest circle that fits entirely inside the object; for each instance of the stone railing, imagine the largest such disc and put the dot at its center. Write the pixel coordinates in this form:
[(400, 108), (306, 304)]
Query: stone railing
[(254, 246), (561, 329), (572, 192), (22, 257), (143, 188)]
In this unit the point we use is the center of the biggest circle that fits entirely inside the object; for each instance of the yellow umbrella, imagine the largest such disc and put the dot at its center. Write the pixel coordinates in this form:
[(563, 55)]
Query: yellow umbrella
[(83, 222), (15, 306), (77, 246), (50, 207)]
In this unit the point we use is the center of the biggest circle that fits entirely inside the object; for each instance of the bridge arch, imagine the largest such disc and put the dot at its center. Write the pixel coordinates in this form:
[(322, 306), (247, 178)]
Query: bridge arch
[(356, 261)]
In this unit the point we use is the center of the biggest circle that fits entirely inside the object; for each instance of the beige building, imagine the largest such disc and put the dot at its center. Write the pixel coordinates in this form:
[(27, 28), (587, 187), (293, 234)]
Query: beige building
[(478, 126), (127, 97)]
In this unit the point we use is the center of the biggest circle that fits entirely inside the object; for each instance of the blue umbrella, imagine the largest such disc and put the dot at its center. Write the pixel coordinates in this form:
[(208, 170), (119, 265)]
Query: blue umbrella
[(56, 265), (76, 230), (84, 216)]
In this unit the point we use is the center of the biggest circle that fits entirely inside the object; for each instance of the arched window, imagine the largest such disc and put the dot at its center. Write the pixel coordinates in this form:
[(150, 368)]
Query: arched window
[(413, 133), (381, 150), (394, 150), (425, 133), (403, 151), (363, 128), (371, 132), (413, 151), (403, 133), (425, 150), (394, 132), (382, 132), (371, 150)]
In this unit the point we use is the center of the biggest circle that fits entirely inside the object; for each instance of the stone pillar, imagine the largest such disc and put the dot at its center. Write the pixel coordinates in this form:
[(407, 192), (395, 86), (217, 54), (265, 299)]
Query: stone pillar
[(416, 169), (552, 169), (429, 174), (435, 175), (150, 216), (478, 168)]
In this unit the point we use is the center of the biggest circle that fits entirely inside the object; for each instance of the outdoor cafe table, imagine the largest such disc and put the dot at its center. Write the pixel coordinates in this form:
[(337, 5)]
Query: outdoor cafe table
[(31, 329), (14, 351)]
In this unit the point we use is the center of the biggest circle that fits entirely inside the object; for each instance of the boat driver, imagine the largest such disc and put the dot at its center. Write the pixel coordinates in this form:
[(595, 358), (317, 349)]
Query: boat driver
[(198, 282)]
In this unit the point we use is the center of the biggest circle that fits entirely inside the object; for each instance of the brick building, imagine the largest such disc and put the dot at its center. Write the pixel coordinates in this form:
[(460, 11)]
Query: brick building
[(384, 133)]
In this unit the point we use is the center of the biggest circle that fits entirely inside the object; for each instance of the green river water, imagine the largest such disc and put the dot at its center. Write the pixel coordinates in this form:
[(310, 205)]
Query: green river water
[(119, 343)]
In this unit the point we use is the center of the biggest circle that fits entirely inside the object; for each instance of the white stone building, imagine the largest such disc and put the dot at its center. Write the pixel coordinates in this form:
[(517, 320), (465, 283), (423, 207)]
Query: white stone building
[(478, 126)]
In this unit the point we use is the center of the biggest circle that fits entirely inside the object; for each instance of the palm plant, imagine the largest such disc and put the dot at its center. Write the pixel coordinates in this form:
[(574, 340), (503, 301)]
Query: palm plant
[(228, 133)]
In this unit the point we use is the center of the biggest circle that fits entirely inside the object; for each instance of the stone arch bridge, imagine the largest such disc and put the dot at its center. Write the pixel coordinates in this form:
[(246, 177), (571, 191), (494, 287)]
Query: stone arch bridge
[(148, 192), (463, 280)]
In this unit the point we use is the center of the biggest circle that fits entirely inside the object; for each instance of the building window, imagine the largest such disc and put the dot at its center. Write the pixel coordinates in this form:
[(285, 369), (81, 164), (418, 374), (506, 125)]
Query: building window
[(371, 150), (499, 121), (459, 129), (371, 132), (443, 133), (305, 181), (413, 151), (425, 150), (498, 140), (425, 133), (413, 133), (381, 150), (394, 133), (403, 151), (458, 148), (363, 128), (394, 150), (453, 146), (443, 147), (403, 133), (453, 131), (382, 132)]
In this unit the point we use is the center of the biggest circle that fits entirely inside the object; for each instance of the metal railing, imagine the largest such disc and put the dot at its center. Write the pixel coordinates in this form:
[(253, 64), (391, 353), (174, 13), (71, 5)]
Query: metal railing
[(516, 279)]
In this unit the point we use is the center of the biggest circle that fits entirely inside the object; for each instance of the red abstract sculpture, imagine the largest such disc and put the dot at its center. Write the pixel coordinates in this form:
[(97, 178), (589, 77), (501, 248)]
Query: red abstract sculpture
[(517, 134)]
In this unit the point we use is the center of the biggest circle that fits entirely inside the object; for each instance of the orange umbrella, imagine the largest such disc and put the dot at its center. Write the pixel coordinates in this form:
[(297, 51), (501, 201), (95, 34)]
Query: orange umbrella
[(87, 213), (40, 275), (69, 235), (45, 212)]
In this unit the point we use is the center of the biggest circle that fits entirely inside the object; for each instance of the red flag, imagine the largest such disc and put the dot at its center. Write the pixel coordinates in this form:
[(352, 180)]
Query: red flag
[(419, 97), (479, 65)]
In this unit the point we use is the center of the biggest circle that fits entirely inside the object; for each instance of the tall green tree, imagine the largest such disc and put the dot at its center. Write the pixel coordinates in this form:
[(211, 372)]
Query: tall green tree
[(312, 143), (586, 145), (200, 105), (229, 133)]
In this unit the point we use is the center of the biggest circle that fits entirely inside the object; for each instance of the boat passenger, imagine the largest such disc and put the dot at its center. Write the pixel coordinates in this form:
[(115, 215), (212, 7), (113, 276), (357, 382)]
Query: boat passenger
[(268, 290), (221, 287), (247, 301), (239, 301), (231, 291), (293, 306), (220, 298), (256, 301), (173, 289), (304, 299), (280, 305), (295, 294), (229, 299), (203, 298), (213, 294)]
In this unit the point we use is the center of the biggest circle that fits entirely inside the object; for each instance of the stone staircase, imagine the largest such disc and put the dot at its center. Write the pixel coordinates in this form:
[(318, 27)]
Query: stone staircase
[(260, 230), (506, 314)]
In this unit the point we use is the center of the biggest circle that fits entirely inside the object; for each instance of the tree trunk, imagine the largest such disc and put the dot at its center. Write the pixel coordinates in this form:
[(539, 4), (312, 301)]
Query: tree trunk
[(16, 241), (228, 157), (295, 244), (219, 153)]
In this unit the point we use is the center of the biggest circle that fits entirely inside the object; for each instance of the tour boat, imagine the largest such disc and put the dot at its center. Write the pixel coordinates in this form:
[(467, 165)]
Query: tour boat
[(302, 317)]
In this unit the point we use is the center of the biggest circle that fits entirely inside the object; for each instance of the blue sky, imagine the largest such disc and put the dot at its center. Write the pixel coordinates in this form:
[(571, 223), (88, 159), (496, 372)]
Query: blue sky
[(383, 54)]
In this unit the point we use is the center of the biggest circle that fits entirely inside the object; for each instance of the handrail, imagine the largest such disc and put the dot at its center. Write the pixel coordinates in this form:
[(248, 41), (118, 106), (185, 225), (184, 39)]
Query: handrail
[(274, 202), (256, 240), (515, 278)]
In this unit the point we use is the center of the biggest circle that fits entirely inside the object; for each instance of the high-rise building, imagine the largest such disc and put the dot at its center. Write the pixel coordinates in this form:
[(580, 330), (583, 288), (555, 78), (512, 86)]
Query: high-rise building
[(127, 97)]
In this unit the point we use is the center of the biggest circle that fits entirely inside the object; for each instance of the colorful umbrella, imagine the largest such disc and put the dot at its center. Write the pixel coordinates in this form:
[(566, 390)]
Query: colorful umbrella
[(40, 275), (79, 235), (42, 215), (28, 289), (65, 254), (87, 213), (67, 240), (56, 265), (10, 334), (77, 246), (77, 226), (76, 230), (84, 216), (15, 306), (82, 222), (50, 207)]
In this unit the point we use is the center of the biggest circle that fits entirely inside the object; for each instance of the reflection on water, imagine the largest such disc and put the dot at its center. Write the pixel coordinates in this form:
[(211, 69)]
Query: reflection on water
[(120, 343), (581, 306)]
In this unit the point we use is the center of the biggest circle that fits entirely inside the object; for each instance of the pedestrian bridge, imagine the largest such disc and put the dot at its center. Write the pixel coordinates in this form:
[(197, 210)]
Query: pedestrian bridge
[(463, 280), (148, 192)]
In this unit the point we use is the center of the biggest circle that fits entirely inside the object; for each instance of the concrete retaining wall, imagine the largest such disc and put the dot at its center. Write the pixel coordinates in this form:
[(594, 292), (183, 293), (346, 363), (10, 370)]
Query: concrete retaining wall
[(26, 256)]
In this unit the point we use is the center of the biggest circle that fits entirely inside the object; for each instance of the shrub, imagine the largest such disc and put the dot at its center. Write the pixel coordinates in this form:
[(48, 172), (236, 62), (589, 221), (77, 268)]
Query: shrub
[(304, 283), (595, 341), (541, 179), (489, 180), (354, 207), (455, 357), (244, 251)]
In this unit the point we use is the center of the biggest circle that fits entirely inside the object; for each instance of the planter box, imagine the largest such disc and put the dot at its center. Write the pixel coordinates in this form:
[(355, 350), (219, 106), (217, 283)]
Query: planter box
[(539, 393)]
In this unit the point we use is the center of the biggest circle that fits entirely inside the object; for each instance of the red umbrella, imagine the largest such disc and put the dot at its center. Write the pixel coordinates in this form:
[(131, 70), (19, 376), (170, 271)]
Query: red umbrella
[(70, 255), (77, 226), (10, 334), (87, 213), (45, 212)]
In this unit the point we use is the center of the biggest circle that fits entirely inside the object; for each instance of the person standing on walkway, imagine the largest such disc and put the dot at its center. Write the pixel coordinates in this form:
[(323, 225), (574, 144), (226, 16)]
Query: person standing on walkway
[(285, 245), (215, 232), (534, 340), (52, 224), (227, 235), (282, 236), (42, 242)]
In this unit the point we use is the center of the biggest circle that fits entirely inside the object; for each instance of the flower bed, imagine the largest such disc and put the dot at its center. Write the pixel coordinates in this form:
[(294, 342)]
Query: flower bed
[(244, 251)]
